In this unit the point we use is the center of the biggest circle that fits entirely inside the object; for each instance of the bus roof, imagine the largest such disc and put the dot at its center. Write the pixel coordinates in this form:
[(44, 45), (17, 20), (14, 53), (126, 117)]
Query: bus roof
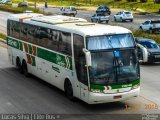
[(68, 24)]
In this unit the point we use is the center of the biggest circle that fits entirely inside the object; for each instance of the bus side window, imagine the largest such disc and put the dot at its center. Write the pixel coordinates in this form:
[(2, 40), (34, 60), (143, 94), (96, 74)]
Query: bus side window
[(30, 35), (8, 28), (42, 35), (53, 41), (16, 29), (65, 43), (79, 57), (23, 31)]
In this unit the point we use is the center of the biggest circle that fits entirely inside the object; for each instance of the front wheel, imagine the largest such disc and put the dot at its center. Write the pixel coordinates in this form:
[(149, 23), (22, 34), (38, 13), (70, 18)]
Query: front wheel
[(69, 90), (107, 21)]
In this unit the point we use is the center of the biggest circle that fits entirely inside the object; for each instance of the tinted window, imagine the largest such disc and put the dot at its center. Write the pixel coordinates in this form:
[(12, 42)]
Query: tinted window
[(79, 58), (45, 37), (149, 44), (16, 29), (127, 12), (156, 21), (23, 32)]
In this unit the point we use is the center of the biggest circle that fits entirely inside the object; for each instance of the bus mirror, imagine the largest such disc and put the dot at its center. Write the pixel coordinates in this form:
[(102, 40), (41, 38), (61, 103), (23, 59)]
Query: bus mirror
[(142, 53), (88, 57)]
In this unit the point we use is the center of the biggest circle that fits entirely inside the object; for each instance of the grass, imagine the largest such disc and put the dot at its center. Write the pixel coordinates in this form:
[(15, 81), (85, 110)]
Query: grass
[(18, 9), (3, 36), (139, 33)]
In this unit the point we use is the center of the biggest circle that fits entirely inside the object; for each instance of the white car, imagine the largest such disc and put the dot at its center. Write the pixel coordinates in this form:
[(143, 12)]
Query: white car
[(123, 16), (151, 26), (70, 10), (100, 18)]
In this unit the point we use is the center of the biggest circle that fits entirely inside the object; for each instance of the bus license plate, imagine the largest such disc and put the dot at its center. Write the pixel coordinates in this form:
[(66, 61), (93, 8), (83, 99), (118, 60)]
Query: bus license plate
[(117, 97)]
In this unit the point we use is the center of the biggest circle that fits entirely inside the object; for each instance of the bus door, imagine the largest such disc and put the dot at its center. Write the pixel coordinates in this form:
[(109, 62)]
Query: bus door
[(80, 68)]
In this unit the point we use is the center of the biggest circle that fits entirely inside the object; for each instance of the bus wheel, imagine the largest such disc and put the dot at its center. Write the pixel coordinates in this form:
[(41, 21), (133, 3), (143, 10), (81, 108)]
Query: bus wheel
[(18, 65), (69, 90), (25, 68)]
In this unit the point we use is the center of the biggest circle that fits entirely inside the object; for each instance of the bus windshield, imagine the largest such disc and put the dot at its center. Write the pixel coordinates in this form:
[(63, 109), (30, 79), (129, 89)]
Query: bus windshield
[(110, 41), (113, 66)]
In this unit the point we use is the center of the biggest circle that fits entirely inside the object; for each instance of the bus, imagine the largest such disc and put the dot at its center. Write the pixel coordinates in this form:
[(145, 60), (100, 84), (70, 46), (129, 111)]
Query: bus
[(93, 62)]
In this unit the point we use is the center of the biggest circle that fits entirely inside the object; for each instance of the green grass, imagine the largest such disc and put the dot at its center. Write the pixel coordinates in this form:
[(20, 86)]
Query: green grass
[(18, 9), (139, 33), (3, 36)]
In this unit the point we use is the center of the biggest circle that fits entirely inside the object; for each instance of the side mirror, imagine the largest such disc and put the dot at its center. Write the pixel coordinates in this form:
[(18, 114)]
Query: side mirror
[(88, 57), (142, 53)]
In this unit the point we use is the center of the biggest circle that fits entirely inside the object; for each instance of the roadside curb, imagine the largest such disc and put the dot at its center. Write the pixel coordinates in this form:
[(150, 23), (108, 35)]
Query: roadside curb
[(2, 40)]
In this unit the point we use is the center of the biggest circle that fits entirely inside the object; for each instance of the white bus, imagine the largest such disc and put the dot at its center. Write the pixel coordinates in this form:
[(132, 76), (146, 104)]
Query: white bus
[(93, 62)]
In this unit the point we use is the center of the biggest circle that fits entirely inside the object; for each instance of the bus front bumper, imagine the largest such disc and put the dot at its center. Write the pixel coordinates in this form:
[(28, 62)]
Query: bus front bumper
[(95, 98)]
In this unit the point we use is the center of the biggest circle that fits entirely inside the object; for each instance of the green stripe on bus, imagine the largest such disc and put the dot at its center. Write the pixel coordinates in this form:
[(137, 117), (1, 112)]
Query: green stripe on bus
[(13, 43), (33, 61), (42, 53), (102, 87), (20, 45), (30, 49)]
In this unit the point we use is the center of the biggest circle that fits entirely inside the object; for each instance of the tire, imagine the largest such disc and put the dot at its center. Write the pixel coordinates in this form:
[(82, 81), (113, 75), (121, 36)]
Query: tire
[(140, 28), (150, 31), (115, 19), (69, 90), (122, 20), (25, 68), (107, 21), (131, 20), (18, 65), (91, 20)]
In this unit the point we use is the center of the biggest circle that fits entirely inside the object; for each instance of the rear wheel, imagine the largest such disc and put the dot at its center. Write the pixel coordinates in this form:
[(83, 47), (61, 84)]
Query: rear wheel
[(121, 20), (18, 65), (25, 68)]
